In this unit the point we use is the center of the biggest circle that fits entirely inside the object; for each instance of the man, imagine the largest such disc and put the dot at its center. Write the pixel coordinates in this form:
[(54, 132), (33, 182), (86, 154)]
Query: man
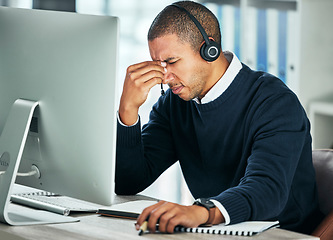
[(241, 137)]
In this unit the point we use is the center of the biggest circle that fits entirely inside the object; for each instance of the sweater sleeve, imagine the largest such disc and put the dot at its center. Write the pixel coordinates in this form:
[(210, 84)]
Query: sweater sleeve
[(143, 155), (279, 130)]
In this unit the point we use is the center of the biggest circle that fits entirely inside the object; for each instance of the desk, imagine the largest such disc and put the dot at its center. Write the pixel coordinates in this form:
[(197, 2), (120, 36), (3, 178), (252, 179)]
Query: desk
[(93, 226)]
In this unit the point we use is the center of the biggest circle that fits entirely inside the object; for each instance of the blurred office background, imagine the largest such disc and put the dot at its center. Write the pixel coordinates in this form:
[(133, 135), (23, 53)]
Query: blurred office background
[(288, 38)]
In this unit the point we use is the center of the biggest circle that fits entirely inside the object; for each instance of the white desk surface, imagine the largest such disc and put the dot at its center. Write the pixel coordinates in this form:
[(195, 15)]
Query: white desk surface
[(93, 226)]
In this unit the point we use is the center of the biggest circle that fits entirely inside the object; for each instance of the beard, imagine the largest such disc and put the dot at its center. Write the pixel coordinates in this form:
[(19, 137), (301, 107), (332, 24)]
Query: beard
[(194, 87)]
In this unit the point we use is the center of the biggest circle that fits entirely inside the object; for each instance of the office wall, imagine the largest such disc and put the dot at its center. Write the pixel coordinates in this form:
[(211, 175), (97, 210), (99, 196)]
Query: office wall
[(316, 64), (316, 68)]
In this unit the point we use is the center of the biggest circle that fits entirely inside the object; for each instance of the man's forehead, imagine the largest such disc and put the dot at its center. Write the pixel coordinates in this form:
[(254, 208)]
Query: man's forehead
[(165, 48)]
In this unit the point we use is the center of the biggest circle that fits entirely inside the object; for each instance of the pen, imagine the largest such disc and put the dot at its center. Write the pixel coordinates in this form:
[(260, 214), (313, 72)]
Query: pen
[(143, 228)]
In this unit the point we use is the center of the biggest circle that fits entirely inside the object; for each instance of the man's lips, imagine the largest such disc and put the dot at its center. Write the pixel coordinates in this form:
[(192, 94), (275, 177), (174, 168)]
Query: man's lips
[(177, 89)]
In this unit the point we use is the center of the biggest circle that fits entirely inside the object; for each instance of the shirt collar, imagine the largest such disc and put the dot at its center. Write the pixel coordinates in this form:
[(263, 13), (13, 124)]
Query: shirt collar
[(224, 82)]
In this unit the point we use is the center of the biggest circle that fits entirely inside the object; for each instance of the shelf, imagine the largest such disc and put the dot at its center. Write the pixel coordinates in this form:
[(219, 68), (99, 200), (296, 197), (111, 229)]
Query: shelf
[(276, 4), (321, 117)]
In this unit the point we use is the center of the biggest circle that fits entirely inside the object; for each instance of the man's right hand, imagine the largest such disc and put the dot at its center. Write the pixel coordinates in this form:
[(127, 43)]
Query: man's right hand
[(140, 78)]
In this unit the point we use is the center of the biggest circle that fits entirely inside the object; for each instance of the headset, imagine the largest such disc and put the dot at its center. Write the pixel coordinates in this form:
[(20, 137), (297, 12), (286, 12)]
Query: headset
[(210, 50)]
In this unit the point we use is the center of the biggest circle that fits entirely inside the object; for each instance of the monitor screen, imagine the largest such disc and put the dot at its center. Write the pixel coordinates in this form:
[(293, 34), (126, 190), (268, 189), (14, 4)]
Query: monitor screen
[(66, 63)]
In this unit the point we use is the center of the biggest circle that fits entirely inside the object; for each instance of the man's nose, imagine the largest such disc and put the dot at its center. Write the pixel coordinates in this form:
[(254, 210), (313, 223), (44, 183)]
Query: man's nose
[(168, 77)]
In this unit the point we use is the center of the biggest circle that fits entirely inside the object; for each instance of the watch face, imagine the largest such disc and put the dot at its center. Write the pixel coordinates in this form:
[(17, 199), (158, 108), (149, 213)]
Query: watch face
[(206, 202)]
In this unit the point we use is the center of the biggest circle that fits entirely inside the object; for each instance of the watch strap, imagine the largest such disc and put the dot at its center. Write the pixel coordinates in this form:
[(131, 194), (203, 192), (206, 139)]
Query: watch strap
[(211, 216), (210, 206)]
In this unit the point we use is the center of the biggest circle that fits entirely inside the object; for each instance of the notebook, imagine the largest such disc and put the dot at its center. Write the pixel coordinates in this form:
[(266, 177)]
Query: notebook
[(248, 228), (131, 210)]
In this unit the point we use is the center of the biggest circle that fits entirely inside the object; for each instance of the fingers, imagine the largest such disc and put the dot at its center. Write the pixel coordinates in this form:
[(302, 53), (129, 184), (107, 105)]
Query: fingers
[(155, 216), (147, 214), (170, 219), (147, 71), (167, 215), (140, 78)]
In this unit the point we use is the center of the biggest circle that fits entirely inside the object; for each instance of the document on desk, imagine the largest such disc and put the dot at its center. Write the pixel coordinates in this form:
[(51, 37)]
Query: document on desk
[(129, 210), (248, 228)]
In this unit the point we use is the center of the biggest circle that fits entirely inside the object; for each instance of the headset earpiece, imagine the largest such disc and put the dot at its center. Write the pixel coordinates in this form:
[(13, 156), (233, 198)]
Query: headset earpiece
[(211, 51)]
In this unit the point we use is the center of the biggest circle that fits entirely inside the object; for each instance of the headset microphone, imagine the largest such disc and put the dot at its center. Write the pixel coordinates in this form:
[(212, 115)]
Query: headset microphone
[(210, 50), (162, 91)]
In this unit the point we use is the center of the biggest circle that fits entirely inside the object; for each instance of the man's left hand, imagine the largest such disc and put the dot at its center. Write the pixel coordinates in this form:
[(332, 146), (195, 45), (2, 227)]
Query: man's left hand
[(169, 215)]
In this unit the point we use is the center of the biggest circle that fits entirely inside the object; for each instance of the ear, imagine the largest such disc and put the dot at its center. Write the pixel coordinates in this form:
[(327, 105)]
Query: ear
[(210, 38)]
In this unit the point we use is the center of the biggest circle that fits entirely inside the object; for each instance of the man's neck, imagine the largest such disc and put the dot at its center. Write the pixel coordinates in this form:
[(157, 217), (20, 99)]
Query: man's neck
[(218, 68)]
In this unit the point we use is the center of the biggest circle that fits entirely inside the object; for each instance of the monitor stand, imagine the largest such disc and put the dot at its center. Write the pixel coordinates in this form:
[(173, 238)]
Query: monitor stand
[(12, 142)]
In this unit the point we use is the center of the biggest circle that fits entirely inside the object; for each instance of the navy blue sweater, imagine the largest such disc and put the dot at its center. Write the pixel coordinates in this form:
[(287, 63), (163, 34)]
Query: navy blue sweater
[(250, 149)]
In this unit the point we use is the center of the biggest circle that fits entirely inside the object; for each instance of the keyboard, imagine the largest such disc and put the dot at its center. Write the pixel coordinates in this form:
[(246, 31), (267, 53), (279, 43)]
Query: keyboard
[(53, 202)]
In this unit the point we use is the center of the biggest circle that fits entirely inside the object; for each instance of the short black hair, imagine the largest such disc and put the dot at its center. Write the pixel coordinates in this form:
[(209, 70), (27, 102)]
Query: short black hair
[(172, 20)]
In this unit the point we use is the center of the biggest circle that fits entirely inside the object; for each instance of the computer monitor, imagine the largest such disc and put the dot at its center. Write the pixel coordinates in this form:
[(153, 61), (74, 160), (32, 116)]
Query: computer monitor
[(58, 103)]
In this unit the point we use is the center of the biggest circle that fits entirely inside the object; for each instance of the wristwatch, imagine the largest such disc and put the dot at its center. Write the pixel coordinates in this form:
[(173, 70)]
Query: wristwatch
[(209, 205)]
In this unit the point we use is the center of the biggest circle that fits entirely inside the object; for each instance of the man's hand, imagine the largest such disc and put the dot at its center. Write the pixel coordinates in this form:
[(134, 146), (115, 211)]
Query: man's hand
[(140, 78), (169, 215)]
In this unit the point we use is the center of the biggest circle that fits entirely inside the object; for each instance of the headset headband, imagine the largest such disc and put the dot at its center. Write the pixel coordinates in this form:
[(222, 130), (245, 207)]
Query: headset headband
[(196, 22)]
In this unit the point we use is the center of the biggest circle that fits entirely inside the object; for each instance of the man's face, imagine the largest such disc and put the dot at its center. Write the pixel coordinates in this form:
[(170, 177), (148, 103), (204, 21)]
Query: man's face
[(186, 72)]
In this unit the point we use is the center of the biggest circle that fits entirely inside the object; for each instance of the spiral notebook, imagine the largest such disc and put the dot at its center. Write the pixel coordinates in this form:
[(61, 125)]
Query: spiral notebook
[(248, 228), (131, 210)]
